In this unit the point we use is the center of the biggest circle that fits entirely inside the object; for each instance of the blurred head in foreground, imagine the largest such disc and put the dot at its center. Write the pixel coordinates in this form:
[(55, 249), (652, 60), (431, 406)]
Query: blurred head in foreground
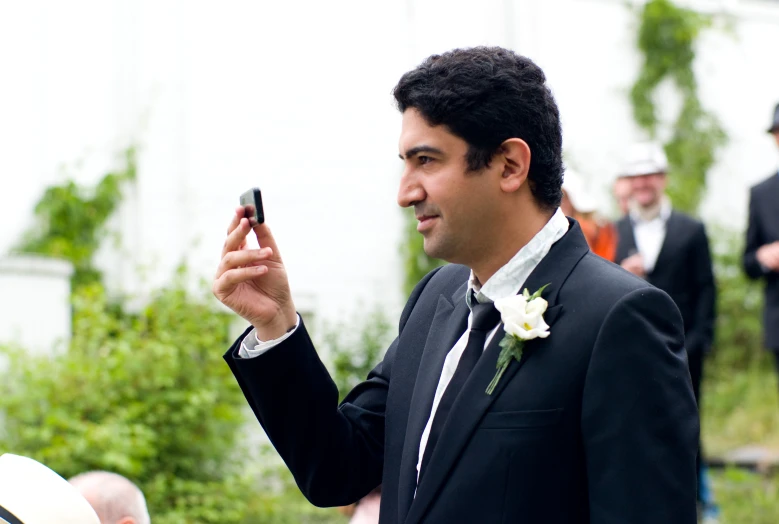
[(115, 499)]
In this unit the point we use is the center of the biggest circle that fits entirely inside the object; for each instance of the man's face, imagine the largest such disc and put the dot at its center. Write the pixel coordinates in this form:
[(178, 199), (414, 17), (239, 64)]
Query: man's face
[(454, 207), (776, 136), (647, 190)]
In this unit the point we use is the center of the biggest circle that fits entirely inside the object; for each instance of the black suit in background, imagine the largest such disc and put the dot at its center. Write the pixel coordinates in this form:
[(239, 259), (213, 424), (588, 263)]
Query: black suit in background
[(763, 228), (684, 271), (597, 424)]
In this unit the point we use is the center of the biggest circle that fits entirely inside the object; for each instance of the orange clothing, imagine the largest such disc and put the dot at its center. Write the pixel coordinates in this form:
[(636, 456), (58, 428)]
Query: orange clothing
[(601, 236)]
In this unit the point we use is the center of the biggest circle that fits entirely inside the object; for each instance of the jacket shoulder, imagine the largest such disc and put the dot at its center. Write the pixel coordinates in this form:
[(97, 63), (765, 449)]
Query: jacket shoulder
[(600, 283), (765, 184), (685, 220), (445, 280), (449, 279)]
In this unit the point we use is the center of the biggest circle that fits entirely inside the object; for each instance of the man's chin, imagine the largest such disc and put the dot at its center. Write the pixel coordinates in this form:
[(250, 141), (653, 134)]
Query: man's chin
[(432, 248), (648, 202), (439, 251)]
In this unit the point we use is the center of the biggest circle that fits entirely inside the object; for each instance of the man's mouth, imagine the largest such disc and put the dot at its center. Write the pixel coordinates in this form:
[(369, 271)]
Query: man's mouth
[(425, 222)]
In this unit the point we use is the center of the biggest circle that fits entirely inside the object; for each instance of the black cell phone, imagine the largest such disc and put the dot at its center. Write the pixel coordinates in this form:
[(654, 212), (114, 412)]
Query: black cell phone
[(252, 206)]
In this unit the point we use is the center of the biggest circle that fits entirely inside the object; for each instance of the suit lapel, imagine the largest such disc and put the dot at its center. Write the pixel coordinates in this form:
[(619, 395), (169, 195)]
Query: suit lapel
[(626, 240), (449, 323), (472, 403), (667, 248)]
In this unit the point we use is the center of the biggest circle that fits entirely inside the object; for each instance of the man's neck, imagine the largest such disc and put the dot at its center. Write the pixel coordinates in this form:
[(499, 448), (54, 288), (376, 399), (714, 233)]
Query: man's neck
[(514, 237)]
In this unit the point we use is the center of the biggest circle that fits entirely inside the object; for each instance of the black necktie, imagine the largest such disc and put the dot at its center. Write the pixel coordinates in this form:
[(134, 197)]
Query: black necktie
[(485, 318)]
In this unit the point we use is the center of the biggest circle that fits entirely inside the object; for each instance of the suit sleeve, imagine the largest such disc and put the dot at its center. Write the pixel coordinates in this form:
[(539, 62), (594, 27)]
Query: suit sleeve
[(754, 240), (701, 335), (639, 416), (335, 453)]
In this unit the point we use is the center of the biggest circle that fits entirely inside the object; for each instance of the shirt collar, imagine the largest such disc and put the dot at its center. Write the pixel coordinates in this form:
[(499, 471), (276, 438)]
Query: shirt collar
[(508, 280)]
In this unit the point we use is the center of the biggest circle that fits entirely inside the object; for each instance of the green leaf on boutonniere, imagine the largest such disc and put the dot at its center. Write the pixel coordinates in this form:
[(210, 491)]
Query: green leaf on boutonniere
[(511, 347), (507, 345), (537, 294)]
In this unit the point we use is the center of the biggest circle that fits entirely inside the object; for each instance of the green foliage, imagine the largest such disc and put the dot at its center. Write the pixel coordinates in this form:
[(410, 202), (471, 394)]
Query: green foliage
[(740, 407), (417, 263), (739, 339), (147, 396), (279, 501), (355, 348), (740, 404), (746, 498), (71, 220), (740, 398), (666, 39)]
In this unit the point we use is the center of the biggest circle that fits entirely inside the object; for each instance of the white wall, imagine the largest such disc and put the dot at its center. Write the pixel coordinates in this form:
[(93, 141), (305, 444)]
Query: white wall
[(295, 97), (35, 303)]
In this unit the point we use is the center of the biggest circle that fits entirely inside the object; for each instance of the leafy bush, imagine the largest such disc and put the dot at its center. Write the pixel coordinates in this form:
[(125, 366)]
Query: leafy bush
[(147, 396), (739, 398), (353, 349), (739, 339), (71, 219)]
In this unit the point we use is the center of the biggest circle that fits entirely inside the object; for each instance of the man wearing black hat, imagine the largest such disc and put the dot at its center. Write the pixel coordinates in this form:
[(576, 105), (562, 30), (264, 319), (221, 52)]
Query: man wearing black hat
[(761, 255)]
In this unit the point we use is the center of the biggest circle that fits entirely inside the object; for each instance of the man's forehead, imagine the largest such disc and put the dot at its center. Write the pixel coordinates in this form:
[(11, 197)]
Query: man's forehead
[(417, 133)]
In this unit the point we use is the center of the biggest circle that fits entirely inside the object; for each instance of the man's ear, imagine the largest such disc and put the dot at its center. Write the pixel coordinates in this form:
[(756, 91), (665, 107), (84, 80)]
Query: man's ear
[(515, 161), (127, 520)]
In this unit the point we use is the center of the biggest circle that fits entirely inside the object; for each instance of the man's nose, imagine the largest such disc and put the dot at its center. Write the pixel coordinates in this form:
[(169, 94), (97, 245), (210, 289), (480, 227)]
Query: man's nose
[(410, 191)]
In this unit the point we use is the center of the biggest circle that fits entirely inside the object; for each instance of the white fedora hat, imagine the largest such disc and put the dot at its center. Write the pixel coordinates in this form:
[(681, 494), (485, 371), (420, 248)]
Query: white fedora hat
[(644, 158), (31, 493)]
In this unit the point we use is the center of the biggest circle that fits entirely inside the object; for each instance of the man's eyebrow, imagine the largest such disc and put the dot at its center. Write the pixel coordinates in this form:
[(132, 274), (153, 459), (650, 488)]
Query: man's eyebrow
[(414, 151)]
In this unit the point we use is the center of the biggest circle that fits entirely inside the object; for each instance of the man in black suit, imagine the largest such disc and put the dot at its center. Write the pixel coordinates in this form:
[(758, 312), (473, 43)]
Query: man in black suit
[(670, 250), (596, 421), (761, 255)]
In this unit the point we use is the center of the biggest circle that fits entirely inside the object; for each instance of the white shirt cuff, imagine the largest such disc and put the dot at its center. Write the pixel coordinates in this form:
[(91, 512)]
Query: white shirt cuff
[(261, 347)]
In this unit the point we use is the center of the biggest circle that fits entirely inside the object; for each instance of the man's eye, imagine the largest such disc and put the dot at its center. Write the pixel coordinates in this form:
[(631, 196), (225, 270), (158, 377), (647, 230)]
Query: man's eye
[(424, 159)]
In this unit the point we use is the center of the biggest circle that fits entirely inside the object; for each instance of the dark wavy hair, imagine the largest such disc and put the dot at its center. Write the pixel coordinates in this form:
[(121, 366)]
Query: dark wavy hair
[(486, 95)]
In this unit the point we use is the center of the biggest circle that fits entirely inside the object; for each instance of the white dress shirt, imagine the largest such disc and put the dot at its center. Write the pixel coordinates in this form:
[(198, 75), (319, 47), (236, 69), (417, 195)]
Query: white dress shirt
[(507, 281), (649, 233)]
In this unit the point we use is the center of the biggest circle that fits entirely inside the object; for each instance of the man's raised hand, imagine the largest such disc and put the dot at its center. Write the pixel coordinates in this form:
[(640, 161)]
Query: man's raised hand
[(253, 282)]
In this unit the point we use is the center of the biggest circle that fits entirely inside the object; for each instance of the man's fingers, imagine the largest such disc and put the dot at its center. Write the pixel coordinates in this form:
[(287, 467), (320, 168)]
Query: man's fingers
[(235, 240), (227, 282), (247, 257), (237, 216), (265, 239)]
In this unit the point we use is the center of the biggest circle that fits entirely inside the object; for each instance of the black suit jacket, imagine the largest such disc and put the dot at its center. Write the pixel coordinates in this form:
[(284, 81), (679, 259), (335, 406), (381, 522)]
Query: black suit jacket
[(763, 229), (596, 424), (684, 271)]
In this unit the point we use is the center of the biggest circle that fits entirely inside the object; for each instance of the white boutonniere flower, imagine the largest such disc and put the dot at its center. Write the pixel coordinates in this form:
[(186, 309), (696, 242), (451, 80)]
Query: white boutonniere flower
[(523, 319)]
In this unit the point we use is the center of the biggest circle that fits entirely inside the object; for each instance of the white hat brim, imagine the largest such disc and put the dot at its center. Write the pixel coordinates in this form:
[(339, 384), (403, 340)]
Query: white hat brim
[(35, 494)]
